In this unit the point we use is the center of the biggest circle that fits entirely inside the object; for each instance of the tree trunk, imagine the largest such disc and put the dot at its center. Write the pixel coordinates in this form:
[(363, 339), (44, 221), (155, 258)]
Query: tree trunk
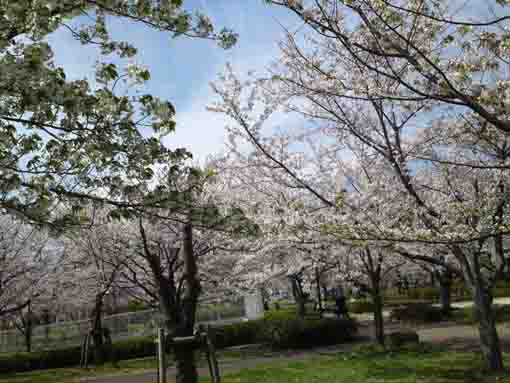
[(185, 357), (489, 339), (325, 293), (378, 316), (28, 339), (298, 297), (318, 287), (28, 329), (97, 331), (445, 294), (186, 367)]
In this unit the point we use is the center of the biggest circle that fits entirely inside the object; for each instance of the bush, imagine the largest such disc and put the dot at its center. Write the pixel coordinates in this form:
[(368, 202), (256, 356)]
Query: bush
[(397, 302), (70, 356), (429, 293), (502, 290), (282, 314), (285, 331), (238, 334), (301, 333), (424, 293), (470, 315), (416, 313), (360, 306), (400, 338), (132, 348)]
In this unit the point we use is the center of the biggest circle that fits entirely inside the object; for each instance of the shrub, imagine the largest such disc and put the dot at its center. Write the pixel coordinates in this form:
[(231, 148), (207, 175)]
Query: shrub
[(238, 334), (470, 315), (400, 338), (395, 303), (25, 361), (416, 313), (282, 314), (131, 348), (424, 293), (302, 333), (360, 306), (285, 331), (70, 356), (501, 291), (428, 293)]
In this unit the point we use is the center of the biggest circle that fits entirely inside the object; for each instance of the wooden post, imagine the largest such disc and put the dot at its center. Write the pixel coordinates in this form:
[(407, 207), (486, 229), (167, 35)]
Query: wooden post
[(161, 356)]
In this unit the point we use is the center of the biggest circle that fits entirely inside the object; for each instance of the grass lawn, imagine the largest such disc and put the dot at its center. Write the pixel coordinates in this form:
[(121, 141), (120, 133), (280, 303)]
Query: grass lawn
[(373, 367), (368, 365), (68, 375)]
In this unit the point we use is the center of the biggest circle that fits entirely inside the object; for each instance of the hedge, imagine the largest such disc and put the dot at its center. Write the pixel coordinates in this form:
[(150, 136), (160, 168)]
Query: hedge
[(139, 347), (360, 306), (283, 330), (416, 313), (301, 333)]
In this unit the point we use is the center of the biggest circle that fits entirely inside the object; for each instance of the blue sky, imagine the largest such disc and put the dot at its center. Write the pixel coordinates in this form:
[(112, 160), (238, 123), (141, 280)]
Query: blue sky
[(182, 68)]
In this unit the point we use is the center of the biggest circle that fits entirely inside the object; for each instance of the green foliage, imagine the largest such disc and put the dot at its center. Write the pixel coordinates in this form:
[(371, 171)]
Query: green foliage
[(238, 334), (417, 313), (501, 289), (401, 338), (70, 356), (424, 293), (134, 348), (282, 331), (136, 306), (360, 306), (302, 333), (468, 315), (68, 140), (282, 314), (403, 301)]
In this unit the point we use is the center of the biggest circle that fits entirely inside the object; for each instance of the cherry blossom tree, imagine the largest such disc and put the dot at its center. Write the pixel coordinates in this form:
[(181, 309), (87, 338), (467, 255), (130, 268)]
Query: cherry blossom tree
[(29, 258), (184, 252), (95, 255), (26, 263), (431, 147)]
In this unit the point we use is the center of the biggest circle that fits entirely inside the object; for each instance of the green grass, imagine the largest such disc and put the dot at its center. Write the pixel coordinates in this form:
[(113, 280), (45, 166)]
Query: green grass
[(365, 365), (67, 375), (375, 367), (125, 367)]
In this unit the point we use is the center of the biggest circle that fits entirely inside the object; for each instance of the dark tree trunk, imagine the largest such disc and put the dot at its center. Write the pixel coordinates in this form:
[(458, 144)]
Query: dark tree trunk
[(179, 312), (186, 367), (298, 296), (445, 284), (28, 339), (325, 293), (318, 287), (28, 329), (378, 318), (185, 357), (489, 339), (97, 331)]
